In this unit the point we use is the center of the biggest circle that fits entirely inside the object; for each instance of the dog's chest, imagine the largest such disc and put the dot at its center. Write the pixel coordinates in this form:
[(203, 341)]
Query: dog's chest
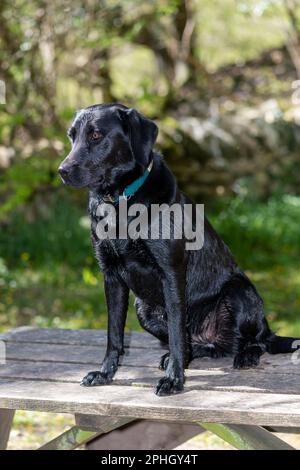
[(130, 260), (127, 258)]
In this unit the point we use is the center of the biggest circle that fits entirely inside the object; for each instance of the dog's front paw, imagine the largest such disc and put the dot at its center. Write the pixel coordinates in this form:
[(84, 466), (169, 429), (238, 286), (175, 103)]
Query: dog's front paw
[(164, 361), (95, 378), (168, 386)]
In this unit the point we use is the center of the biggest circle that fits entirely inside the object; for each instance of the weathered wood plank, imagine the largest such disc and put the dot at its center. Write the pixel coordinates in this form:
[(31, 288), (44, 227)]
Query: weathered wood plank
[(94, 339), (244, 437), (133, 339), (70, 439), (272, 363), (6, 419), (135, 402), (197, 379), (86, 337), (69, 372), (283, 429), (78, 354), (76, 436), (136, 357), (101, 424), (145, 435)]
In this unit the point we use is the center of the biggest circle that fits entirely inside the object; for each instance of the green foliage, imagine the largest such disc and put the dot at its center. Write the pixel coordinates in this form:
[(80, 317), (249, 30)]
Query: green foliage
[(246, 27), (212, 64), (263, 235), (264, 238), (58, 233), (48, 275), (206, 70)]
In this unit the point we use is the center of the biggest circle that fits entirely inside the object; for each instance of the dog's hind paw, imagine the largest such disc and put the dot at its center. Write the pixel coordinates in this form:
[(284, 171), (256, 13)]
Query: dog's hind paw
[(247, 358), (168, 386), (95, 378)]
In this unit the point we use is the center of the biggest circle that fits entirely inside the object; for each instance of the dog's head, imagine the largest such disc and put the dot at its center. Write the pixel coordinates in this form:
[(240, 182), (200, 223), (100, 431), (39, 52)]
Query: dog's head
[(108, 142)]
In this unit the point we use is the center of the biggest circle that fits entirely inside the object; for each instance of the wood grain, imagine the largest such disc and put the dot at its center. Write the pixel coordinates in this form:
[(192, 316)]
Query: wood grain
[(78, 354), (6, 419), (136, 402), (44, 367), (149, 357), (134, 339), (196, 379)]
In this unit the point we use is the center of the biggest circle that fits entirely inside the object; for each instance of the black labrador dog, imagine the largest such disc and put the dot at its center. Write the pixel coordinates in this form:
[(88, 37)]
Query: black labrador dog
[(199, 302)]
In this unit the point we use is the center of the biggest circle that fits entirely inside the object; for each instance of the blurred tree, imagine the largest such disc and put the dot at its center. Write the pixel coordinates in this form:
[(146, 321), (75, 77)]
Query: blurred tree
[(203, 68), (293, 42)]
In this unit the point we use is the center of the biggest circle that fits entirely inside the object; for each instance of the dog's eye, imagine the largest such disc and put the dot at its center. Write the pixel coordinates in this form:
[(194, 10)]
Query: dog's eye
[(95, 135)]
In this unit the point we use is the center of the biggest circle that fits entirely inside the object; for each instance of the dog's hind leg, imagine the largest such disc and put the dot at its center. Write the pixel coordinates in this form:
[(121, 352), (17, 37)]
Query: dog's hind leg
[(251, 326), (252, 344), (153, 320), (211, 330), (233, 324)]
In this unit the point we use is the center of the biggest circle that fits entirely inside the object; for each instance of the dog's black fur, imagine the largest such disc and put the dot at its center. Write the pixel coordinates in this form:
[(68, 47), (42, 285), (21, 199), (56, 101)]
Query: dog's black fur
[(198, 302)]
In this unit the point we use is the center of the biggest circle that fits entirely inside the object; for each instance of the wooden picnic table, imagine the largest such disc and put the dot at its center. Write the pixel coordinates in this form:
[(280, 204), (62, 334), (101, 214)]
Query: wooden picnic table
[(43, 369)]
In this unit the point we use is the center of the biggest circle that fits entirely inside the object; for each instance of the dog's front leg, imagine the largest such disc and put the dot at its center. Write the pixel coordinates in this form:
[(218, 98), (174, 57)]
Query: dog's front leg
[(116, 293), (174, 296)]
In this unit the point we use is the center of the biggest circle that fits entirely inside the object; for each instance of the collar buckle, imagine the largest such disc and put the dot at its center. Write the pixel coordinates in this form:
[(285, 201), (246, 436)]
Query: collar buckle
[(132, 188), (108, 198)]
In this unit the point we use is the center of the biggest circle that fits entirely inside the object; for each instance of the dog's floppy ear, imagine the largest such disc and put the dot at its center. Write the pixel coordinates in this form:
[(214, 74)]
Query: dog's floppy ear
[(142, 133)]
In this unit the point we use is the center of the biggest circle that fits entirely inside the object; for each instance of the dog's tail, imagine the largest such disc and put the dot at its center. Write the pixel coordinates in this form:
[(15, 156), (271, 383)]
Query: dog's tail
[(282, 344)]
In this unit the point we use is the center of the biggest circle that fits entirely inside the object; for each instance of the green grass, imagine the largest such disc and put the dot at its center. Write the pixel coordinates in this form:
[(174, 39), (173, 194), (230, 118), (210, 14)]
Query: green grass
[(55, 296), (264, 237), (32, 429), (49, 278)]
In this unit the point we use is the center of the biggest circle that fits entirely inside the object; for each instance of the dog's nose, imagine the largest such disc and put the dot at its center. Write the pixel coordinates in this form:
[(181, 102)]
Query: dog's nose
[(62, 170)]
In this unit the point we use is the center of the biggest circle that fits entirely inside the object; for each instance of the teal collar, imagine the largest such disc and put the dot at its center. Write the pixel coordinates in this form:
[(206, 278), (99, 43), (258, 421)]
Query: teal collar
[(132, 188)]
